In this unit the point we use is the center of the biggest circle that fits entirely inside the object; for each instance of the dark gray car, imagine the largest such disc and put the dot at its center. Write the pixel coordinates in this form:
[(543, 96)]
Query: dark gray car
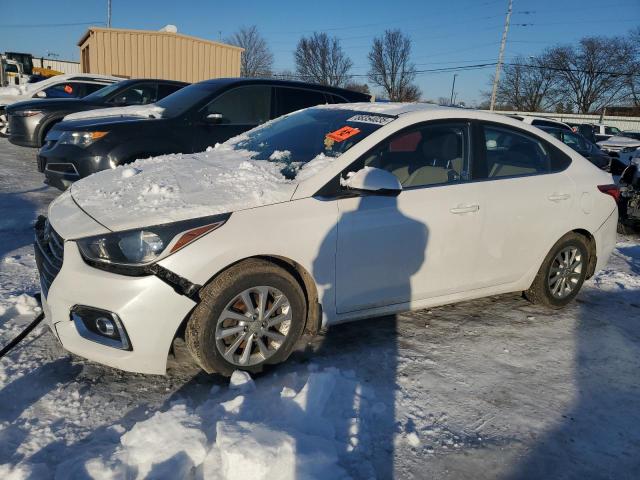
[(30, 121)]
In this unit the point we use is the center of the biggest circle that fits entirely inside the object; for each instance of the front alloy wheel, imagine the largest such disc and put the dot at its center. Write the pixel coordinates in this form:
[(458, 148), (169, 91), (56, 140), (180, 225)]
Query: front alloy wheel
[(250, 315), (253, 326)]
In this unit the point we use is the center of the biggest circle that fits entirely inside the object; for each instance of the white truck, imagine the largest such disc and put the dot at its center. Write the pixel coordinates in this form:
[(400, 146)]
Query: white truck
[(12, 72)]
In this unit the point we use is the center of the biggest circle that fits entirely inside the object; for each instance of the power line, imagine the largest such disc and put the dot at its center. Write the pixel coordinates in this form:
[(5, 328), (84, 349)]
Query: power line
[(51, 25)]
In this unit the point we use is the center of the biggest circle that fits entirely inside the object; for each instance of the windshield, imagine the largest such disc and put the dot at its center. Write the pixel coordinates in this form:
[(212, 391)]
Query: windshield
[(104, 92), (179, 102), (634, 135), (314, 133)]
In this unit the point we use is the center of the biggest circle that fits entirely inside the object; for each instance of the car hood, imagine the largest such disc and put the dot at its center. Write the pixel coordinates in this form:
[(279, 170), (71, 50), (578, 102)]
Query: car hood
[(620, 141), (52, 104), (100, 123), (178, 187), (9, 99), (139, 111)]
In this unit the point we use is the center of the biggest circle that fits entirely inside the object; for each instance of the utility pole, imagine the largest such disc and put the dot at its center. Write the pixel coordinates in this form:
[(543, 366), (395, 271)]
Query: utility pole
[(453, 88), (108, 13), (503, 43)]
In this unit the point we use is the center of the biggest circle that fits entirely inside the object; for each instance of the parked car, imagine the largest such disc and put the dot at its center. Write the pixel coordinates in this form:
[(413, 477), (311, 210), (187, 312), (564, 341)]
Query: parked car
[(329, 214), (190, 120), (629, 202), (621, 148), (61, 86), (542, 122), (581, 145), (30, 121)]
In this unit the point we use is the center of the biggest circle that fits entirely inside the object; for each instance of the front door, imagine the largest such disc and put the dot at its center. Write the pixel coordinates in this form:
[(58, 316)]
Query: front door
[(420, 244)]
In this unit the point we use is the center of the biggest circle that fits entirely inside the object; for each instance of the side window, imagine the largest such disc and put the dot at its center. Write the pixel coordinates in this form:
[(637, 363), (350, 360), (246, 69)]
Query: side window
[(92, 87), (65, 90), (427, 155), (292, 99), (611, 130), (510, 153), (167, 89), (249, 105), (136, 95), (574, 141)]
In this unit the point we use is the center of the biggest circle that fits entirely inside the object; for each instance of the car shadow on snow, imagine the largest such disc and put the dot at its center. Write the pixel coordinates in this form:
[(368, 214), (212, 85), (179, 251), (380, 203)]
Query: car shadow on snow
[(599, 435), (18, 214), (367, 425)]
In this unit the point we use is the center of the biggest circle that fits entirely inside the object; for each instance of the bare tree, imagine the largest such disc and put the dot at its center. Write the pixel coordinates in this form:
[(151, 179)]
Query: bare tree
[(593, 73), (257, 59), (320, 58), (526, 85), (633, 79), (391, 67), (358, 87)]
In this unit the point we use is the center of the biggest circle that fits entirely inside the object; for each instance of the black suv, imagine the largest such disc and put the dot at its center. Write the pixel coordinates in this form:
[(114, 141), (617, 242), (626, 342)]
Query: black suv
[(188, 121), (30, 121)]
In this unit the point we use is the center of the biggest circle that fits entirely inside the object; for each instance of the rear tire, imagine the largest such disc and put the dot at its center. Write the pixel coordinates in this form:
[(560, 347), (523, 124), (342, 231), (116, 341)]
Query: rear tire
[(562, 273), (224, 333)]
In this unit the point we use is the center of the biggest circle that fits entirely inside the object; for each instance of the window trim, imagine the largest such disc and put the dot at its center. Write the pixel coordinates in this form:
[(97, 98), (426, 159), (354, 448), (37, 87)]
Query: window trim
[(333, 188), (480, 150)]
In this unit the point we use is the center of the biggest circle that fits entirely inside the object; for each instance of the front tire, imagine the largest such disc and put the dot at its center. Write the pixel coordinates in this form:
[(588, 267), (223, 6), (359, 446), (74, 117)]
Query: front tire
[(562, 273), (249, 316)]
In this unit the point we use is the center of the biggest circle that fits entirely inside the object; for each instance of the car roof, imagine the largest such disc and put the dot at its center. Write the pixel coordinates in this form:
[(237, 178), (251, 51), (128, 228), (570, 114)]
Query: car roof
[(221, 82), (388, 108), (130, 81)]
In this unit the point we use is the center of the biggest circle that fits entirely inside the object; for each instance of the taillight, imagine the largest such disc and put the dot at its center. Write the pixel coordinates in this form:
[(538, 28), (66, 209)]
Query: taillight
[(612, 190)]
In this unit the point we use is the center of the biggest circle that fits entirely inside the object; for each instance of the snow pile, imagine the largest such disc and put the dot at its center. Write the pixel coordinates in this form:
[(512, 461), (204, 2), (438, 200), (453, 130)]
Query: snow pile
[(182, 186), (282, 428)]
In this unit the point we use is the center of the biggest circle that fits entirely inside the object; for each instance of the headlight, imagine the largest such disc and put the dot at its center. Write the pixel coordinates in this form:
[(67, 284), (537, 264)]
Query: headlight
[(141, 247), (80, 139), (26, 113)]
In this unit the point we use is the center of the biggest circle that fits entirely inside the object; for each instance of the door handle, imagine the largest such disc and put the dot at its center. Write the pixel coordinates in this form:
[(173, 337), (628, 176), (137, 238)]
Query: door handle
[(465, 209), (558, 197)]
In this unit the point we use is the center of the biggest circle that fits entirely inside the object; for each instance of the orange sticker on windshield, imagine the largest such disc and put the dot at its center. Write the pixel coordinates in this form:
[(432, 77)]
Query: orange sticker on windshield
[(343, 133)]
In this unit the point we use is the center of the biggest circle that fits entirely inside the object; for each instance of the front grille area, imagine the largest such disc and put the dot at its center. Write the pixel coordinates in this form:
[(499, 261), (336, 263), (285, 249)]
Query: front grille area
[(49, 251)]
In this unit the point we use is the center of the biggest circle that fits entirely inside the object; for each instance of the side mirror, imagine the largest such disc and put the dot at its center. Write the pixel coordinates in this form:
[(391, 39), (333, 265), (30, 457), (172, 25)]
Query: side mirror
[(214, 118), (41, 94), (373, 180)]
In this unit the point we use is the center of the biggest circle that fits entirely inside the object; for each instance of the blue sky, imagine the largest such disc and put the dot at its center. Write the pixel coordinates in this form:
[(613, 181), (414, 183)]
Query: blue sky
[(444, 33)]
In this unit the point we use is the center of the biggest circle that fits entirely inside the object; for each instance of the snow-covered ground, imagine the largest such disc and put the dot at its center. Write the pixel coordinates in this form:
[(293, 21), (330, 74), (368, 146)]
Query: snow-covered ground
[(494, 388)]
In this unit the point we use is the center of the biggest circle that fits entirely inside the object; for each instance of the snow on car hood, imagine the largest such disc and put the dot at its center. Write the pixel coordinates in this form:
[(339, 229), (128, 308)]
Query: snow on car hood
[(177, 187), (620, 141), (9, 99), (144, 111)]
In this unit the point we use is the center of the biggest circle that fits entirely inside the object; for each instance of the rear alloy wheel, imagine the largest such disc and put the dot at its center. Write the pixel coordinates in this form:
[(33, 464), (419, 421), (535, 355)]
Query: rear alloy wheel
[(250, 315), (562, 273)]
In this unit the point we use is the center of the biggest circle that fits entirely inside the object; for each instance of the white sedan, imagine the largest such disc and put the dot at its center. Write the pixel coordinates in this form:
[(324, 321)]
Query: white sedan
[(330, 214)]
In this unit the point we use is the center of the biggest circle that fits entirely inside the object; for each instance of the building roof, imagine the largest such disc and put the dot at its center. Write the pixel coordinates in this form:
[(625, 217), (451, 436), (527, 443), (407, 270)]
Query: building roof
[(90, 30)]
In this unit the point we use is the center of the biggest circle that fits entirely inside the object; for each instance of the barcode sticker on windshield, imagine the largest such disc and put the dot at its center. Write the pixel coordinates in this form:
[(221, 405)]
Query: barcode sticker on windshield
[(375, 119)]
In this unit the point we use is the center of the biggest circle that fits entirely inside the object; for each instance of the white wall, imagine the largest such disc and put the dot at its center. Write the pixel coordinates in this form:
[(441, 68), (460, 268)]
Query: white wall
[(63, 66), (623, 123)]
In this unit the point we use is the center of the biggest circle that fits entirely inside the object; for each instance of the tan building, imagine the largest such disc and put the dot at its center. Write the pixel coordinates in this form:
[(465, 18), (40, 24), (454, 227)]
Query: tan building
[(161, 54)]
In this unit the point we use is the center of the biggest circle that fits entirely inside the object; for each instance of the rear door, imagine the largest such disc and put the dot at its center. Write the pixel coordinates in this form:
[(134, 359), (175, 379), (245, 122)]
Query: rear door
[(289, 99), (238, 109), (527, 199)]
